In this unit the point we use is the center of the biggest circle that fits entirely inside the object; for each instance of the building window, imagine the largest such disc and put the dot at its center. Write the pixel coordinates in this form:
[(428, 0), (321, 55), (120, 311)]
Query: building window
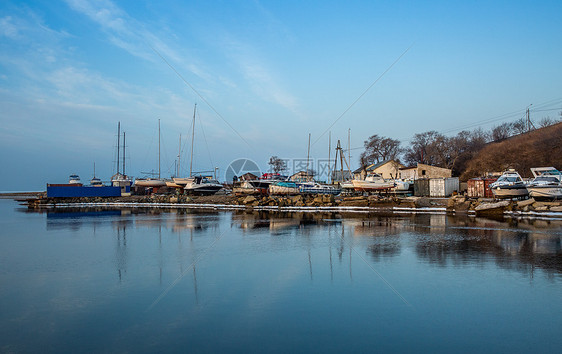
[(423, 172)]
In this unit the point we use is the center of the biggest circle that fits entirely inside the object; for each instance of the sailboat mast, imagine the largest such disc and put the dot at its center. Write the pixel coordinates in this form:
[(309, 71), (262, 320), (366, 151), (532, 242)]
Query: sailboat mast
[(118, 147), (179, 159), (192, 138), (123, 153), (349, 146), (329, 155), (158, 148), (308, 154)]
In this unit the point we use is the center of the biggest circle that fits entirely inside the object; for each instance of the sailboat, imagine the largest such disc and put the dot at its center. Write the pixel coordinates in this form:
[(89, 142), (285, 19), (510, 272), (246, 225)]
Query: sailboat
[(153, 182), (95, 181), (197, 184), (121, 179)]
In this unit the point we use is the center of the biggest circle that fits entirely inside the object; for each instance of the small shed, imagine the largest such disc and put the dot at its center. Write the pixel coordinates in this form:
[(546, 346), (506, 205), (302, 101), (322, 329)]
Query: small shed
[(480, 187), (421, 187), (443, 187), (421, 170)]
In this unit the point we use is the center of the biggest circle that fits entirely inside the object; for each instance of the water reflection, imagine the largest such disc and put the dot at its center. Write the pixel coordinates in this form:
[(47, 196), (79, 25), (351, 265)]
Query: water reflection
[(439, 239)]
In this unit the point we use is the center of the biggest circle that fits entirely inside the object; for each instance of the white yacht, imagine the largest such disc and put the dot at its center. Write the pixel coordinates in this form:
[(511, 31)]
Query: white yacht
[(202, 186), (74, 179), (547, 183), (373, 182), (509, 185)]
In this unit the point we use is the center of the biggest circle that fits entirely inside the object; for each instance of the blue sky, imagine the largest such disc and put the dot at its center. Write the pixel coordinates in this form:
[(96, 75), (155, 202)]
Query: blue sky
[(264, 74)]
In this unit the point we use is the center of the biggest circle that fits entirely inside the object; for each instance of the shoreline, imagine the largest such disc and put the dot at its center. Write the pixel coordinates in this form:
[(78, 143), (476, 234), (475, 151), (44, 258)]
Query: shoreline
[(313, 204)]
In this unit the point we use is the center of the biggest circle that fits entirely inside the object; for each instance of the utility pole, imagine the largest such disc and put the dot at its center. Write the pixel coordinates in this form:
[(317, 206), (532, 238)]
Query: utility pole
[(529, 123)]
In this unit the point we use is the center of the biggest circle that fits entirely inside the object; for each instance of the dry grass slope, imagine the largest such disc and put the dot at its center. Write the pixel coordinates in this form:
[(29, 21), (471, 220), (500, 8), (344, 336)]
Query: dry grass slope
[(541, 147)]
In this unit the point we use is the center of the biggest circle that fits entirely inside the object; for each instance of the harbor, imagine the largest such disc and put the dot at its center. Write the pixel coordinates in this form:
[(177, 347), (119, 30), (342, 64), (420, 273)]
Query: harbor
[(158, 278)]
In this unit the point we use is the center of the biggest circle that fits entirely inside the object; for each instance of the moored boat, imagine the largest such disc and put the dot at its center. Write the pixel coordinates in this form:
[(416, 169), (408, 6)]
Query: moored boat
[(547, 183), (509, 185), (150, 182), (317, 188), (74, 179), (372, 183), (284, 187), (96, 182), (200, 185)]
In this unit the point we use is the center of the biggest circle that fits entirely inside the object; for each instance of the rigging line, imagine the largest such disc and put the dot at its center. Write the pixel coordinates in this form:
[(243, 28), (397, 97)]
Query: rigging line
[(184, 144), (350, 245), (205, 138), (182, 274), (363, 94), (200, 96)]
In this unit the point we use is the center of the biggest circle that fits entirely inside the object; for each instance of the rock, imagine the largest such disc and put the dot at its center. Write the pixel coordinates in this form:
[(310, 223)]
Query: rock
[(524, 203), (541, 208), (173, 199), (249, 199), (556, 208), (491, 208), (422, 202), (296, 199)]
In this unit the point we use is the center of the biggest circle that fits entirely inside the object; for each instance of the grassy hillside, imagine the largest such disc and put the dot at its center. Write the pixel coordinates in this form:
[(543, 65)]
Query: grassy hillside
[(541, 147)]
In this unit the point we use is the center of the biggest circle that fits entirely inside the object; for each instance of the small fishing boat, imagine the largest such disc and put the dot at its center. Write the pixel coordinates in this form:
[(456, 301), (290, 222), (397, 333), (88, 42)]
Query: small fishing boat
[(74, 179), (403, 186), (252, 187), (200, 185), (284, 187), (150, 182), (547, 183), (317, 188), (374, 182), (96, 182), (509, 185)]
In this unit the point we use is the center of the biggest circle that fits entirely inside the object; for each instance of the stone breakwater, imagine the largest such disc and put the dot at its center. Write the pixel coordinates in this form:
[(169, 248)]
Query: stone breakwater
[(251, 201), (455, 204)]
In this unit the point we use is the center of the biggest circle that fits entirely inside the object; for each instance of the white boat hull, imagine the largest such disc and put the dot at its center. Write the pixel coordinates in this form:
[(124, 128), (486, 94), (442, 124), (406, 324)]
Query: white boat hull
[(547, 192), (150, 182), (368, 186), (503, 192), (275, 189)]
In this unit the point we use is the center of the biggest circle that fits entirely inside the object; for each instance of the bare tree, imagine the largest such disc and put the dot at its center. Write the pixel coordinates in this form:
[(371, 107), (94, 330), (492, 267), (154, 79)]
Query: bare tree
[(277, 165), (378, 149), (502, 131), (519, 126), (547, 121), (424, 148)]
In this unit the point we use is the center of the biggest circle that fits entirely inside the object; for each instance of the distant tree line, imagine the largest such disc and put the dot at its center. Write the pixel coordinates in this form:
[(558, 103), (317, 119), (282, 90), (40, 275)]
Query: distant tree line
[(434, 148)]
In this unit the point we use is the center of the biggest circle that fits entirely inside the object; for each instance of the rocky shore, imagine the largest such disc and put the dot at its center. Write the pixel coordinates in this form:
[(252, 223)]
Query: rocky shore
[(455, 204)]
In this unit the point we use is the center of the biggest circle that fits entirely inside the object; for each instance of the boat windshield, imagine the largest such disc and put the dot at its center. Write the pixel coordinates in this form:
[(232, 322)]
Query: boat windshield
[(546, 179), (509, 179)]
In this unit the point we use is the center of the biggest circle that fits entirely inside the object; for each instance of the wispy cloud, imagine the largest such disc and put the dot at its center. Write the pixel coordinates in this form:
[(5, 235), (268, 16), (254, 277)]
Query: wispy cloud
[(122, 30), (260, 78)]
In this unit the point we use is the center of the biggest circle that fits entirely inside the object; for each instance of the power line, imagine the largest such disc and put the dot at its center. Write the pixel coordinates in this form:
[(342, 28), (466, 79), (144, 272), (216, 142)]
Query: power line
[(363, 94), (200, 96)]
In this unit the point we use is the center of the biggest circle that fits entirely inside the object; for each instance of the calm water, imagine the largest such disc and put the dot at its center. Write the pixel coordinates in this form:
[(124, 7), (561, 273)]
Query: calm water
[(196, 281)]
